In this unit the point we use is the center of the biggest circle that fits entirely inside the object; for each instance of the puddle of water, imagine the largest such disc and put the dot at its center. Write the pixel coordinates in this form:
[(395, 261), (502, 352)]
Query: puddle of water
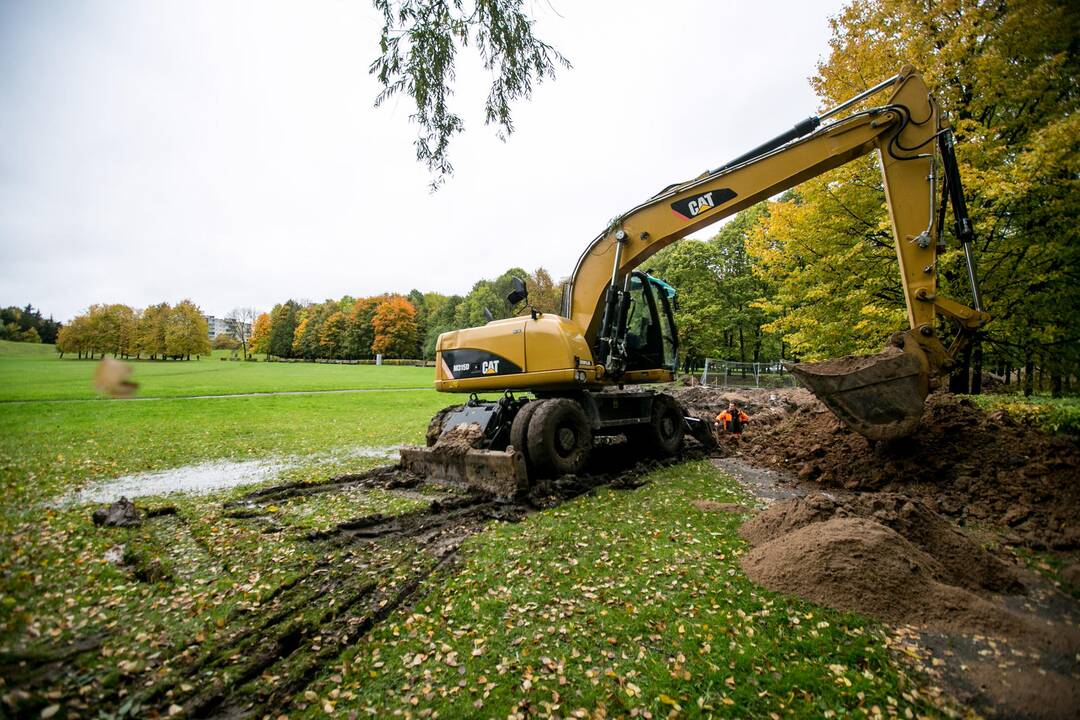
[(768, 486), (211, 476)]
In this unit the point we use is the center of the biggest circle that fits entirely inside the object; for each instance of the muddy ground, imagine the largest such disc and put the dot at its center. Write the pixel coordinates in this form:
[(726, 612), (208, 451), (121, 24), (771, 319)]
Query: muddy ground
[(263, 655), (936, 535)]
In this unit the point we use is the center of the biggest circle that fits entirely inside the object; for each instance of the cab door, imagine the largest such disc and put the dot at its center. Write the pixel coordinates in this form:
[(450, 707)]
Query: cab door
[(649, 333)]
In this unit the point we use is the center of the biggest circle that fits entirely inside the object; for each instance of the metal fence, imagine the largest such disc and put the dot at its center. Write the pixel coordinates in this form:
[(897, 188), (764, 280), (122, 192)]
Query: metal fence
[(725, 373)]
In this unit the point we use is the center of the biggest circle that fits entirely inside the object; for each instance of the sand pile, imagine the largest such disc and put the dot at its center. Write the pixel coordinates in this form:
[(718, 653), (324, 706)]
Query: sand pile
[(969, 464)]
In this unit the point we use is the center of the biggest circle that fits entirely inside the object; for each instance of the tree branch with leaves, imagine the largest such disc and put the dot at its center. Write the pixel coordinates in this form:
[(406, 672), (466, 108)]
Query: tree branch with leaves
[(418, 50)]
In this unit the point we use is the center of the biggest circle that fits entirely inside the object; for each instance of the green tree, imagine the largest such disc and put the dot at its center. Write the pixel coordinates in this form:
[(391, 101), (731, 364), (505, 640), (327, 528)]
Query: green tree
[(283, 320), (721, 307), (442, 319), (1007, 75)]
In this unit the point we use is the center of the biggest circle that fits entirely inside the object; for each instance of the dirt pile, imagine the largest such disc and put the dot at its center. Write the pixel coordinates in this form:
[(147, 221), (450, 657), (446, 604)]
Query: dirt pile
[(895, 559), (458, 440), (764, 406), (969, 464), (862, 566), (963, 561)]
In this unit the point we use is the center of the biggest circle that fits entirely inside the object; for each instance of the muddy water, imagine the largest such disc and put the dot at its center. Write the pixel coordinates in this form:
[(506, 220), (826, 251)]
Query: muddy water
[(213, 475), (766, 485)]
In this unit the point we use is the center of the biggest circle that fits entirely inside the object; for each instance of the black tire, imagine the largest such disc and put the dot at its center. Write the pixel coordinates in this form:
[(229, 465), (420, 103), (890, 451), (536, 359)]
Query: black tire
[(664, 433), (519, 429), (559, 438), (434, 428)]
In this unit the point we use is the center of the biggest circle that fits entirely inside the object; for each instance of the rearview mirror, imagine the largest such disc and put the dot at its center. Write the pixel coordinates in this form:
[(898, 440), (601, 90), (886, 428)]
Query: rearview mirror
[(519, 292)]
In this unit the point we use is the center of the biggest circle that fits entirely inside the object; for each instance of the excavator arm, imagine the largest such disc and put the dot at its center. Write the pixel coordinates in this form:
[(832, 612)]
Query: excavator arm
[(904, 132), (914, 146)]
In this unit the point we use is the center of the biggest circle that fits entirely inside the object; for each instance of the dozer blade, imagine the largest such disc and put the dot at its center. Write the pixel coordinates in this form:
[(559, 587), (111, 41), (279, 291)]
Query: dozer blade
[(879, 396), (498, 472)]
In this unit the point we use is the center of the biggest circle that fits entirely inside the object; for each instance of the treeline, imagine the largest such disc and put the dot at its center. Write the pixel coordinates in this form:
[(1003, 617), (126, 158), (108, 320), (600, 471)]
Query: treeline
[(160, 331), (394, 326), (814, 274), (27, 325)]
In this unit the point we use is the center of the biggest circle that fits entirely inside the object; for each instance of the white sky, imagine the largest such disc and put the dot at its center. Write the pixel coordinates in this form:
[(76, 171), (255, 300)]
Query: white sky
[(230, 152)]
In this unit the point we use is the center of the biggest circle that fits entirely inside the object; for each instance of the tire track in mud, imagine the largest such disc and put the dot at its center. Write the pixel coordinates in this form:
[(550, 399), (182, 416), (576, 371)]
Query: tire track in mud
[(372, 566)]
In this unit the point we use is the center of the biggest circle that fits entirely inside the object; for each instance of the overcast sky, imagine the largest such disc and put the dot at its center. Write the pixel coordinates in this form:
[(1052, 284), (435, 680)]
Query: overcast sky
[(229, 152)]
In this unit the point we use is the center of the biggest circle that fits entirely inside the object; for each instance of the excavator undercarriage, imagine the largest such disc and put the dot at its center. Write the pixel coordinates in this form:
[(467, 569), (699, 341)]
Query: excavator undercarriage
[(505, 447)]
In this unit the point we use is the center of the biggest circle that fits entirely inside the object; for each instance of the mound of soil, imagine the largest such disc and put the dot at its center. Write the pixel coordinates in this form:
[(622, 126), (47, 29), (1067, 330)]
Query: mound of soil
[(967, 463), (965, 563), (764, 406), (859, 565)]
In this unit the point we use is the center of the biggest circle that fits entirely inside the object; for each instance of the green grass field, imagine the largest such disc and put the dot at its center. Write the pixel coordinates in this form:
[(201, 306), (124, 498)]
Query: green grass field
[(35, 372), (613, 604)]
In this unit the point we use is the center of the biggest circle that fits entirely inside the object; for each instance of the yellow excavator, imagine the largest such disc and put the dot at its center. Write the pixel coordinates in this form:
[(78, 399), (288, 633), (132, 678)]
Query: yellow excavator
[(616, 327)]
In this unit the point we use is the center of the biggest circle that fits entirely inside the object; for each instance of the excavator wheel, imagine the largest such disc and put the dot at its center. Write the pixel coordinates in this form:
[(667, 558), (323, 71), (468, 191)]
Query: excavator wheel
[(519, 429), (664, 432), (559, 438)]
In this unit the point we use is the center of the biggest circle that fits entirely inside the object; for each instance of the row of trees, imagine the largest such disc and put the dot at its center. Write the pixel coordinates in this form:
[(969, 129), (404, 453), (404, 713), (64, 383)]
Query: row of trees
[(395, 326), (813, 274), (160, 331), (27, 325)]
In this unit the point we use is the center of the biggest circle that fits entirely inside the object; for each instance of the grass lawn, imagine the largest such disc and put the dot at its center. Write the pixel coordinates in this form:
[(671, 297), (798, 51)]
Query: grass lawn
[(618, 603), (629, 603), (35, 372), (49, 448)]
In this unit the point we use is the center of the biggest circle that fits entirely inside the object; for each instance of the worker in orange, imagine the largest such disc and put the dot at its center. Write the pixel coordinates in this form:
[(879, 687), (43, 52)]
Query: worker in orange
[(732, 420)]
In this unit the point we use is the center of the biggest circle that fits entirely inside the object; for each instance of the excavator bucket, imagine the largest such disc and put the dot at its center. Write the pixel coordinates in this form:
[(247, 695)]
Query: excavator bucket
[(879, 396), (498, 472)]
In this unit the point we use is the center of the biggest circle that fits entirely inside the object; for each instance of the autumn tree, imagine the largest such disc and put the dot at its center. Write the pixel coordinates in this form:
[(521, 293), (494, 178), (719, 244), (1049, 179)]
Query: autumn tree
[(260, 335), (150, 331), (332, 335), (1007, 75), (74, 337), (186, 332), (544, 293), (360, 335), (394, 323)]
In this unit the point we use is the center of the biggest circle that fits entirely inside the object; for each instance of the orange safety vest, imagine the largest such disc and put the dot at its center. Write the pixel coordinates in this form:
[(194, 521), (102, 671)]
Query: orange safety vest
[(725, 419)]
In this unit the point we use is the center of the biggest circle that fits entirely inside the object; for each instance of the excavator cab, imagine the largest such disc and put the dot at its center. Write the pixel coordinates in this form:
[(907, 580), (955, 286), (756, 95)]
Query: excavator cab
[(650, 336)]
